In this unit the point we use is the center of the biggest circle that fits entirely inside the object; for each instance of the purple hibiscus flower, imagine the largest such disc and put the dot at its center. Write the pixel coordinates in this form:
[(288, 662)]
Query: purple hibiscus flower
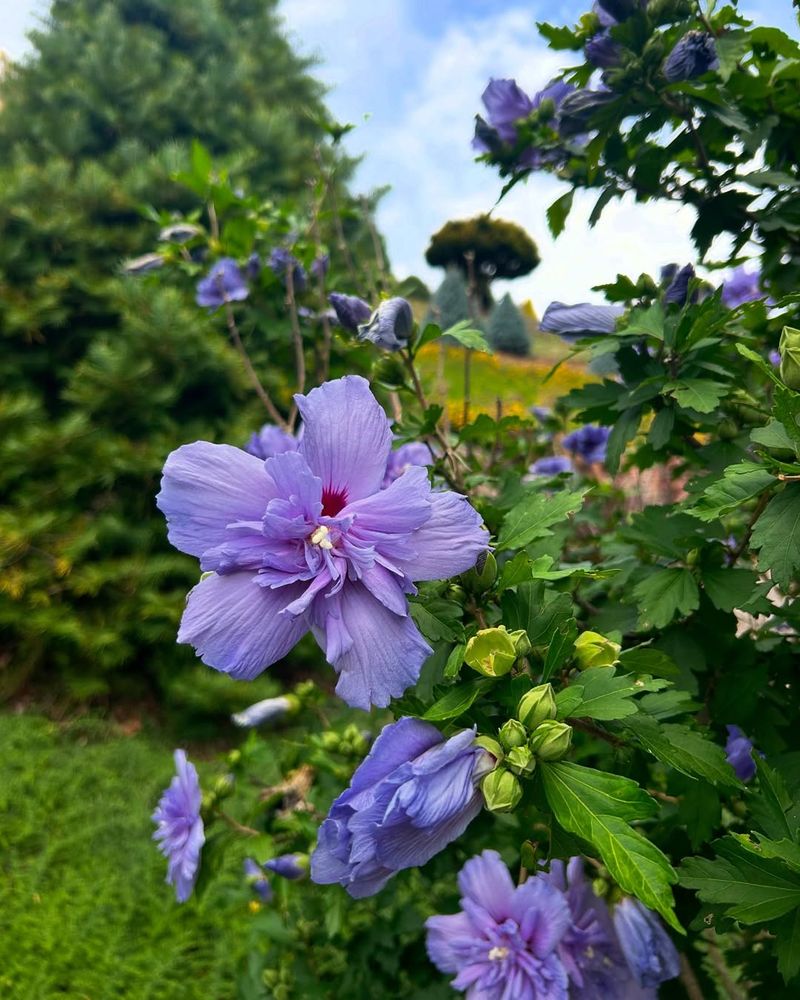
[(552, 465), (742, 286), (739, 752), (584, 319), (648, 949), (412, 795), (504, 942), (694, 55), (351, 311), (308, 540), (270, 441), (588, 443), (180, 832), (507, 104), (281, 260), (404, 457), (223, 283)]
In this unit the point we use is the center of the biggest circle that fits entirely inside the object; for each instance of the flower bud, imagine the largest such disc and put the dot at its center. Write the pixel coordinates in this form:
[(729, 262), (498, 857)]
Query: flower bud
[(551, 740), (223, 786), (537, 705), (493, 651), (594, 650), (501, 790), (789, 348), (482, 575), (389, 371), (513, 734), (491, 746), (521, 760)]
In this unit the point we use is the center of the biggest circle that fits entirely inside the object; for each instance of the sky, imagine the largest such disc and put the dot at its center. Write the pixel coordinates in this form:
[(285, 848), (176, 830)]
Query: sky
[(409, 75)]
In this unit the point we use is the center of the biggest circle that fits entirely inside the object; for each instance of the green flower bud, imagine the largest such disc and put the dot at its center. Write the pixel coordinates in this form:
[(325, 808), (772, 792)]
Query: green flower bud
[(234, 757), (513, 734), (482, 575), (493, 651), (490, 746), (790, 357), (521, 760), (594, 650), (546, 110), (501, 790), (223, 786), (551, 740), (537, 705)]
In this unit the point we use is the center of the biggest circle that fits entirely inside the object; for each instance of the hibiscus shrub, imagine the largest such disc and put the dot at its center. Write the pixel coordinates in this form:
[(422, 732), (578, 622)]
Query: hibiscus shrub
[(578, 627)]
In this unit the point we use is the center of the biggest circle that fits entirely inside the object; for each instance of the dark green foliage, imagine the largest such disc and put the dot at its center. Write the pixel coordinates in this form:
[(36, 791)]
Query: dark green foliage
[(507, 331)]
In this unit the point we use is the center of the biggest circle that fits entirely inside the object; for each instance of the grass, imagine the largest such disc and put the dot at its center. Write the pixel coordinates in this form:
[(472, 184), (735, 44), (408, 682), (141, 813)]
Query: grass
[(84, 911)]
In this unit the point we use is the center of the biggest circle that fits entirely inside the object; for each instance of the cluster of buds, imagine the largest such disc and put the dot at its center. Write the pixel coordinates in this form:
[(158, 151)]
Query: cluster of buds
[(534, 735), (494, 651)]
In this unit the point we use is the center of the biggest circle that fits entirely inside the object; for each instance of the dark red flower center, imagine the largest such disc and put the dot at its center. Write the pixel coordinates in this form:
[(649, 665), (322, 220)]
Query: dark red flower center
[(333, 501)]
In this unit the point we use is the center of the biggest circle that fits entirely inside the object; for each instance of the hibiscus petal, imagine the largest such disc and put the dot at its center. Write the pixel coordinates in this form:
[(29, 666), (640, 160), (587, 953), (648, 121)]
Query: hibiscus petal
[(396, 744), (407, 846), (542, 913), (347, 438), (450, 939), (235, 626), (485, 879), (401, 508), (448, 543), (205, 488)]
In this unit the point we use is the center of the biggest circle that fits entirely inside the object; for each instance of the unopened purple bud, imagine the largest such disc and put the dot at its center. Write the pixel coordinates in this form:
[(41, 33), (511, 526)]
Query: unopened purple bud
[(553, 465), (268, 710), (351, 311), (739, 752), (678, 288), (774, 358), (390, 325), (281, 261), (603, 51), (291, 866), (257, 880), (694, 55)]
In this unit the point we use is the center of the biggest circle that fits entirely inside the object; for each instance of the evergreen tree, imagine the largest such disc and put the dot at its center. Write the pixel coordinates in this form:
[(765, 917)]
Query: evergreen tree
[(103, 374), (451, 300), (507, 331)]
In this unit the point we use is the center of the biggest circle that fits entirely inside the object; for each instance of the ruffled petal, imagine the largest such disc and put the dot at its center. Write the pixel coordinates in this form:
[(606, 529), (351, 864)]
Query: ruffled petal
[(205, 488), (347, 438), (448, 543), (236, 626), (543, 914), (397, 743), (450, 938), (485, 879)]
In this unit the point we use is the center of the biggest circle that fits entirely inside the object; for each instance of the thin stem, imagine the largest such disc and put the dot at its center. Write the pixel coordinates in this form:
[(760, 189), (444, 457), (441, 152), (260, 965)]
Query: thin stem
[(689, 980), (261, 392), (212, 219), (297, 339), (453, 476), (592, 730), (248, 831)]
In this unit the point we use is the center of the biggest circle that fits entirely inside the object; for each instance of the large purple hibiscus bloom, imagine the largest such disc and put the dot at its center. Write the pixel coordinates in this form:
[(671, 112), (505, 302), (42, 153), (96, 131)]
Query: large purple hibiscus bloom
[(308, 540)]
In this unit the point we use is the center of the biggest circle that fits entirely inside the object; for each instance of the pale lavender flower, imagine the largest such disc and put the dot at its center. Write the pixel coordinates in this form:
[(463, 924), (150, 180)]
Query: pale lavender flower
[(739, 752), (648, 949), (143, 265), (223, 283), (588, 443), (742, 286), (503, 945), (584, 319), (270, 441), (289, 866), (390, 325), (404, 457), (552, 465), (281, 260), (351, 311), (308, 540), (257, 880), (694, 55), (180, 832), (412, 795)]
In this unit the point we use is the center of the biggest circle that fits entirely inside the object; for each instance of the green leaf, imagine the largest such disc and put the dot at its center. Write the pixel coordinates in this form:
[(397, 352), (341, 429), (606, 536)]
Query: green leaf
[(684, 749), (732, 46), (468, 336), (438, 619), (770, 804), (607, 696), (786, 404), (558, 37), (560, 648), (782, 850), (457, 700), (558, 212), (533, 516), (454, 661), (729, 588), (661, 427), (645, 660), (777, 536), (752, 889), (568, 699), (739, 483), (594, 806), (665, 593), (624, 430), (646, 322), (427, 336), (699, 394), (516, 570), (787, 945), (772, 435), (528, 609)]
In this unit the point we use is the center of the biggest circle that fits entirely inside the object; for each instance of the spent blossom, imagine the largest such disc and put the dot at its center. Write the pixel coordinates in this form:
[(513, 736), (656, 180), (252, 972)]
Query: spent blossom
[(694, 55)]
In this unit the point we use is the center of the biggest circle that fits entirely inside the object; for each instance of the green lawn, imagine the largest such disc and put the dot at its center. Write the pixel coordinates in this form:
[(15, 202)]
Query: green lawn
[(84, 911)]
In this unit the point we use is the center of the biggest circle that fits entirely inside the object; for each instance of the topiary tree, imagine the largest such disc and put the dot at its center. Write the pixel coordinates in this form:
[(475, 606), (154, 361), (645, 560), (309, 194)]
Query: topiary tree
[(507, 331), (499, 249)]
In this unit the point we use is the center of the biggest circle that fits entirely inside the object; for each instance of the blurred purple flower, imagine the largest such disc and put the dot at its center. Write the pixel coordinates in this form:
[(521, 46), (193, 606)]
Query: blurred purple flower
[(584, 319), (308, 540), (504, 942), (350, 310), (742, 286), (588, 443), (648, 949), (180, 830), (390, 325), (287, 866), (280, 260), (319, 266), (257, 880), (603, 51), (412, 795), (269, 441), (694, 55), (223, 283), (678, 287), (404, 457), (506, 103), (552, 465), (739, 751), (267, 710), (774, 358), (253, 267)]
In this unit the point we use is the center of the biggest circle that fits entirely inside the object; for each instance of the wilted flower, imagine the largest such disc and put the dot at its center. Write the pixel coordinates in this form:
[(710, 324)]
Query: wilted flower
[(584, 319), (267, 710), (413, 794), (404, 457), (603, 51), (144, 264), (350, 310), (223, 283), (291, 866), (648, 949), (739, 751), (281, 260), (504, 942), (693, 55), (269, 441), (390, 325), (678, 287), (578, 109), (588, 443), (180, 831), (257, 880), (308, 540), (742, 286), (553, 465)]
